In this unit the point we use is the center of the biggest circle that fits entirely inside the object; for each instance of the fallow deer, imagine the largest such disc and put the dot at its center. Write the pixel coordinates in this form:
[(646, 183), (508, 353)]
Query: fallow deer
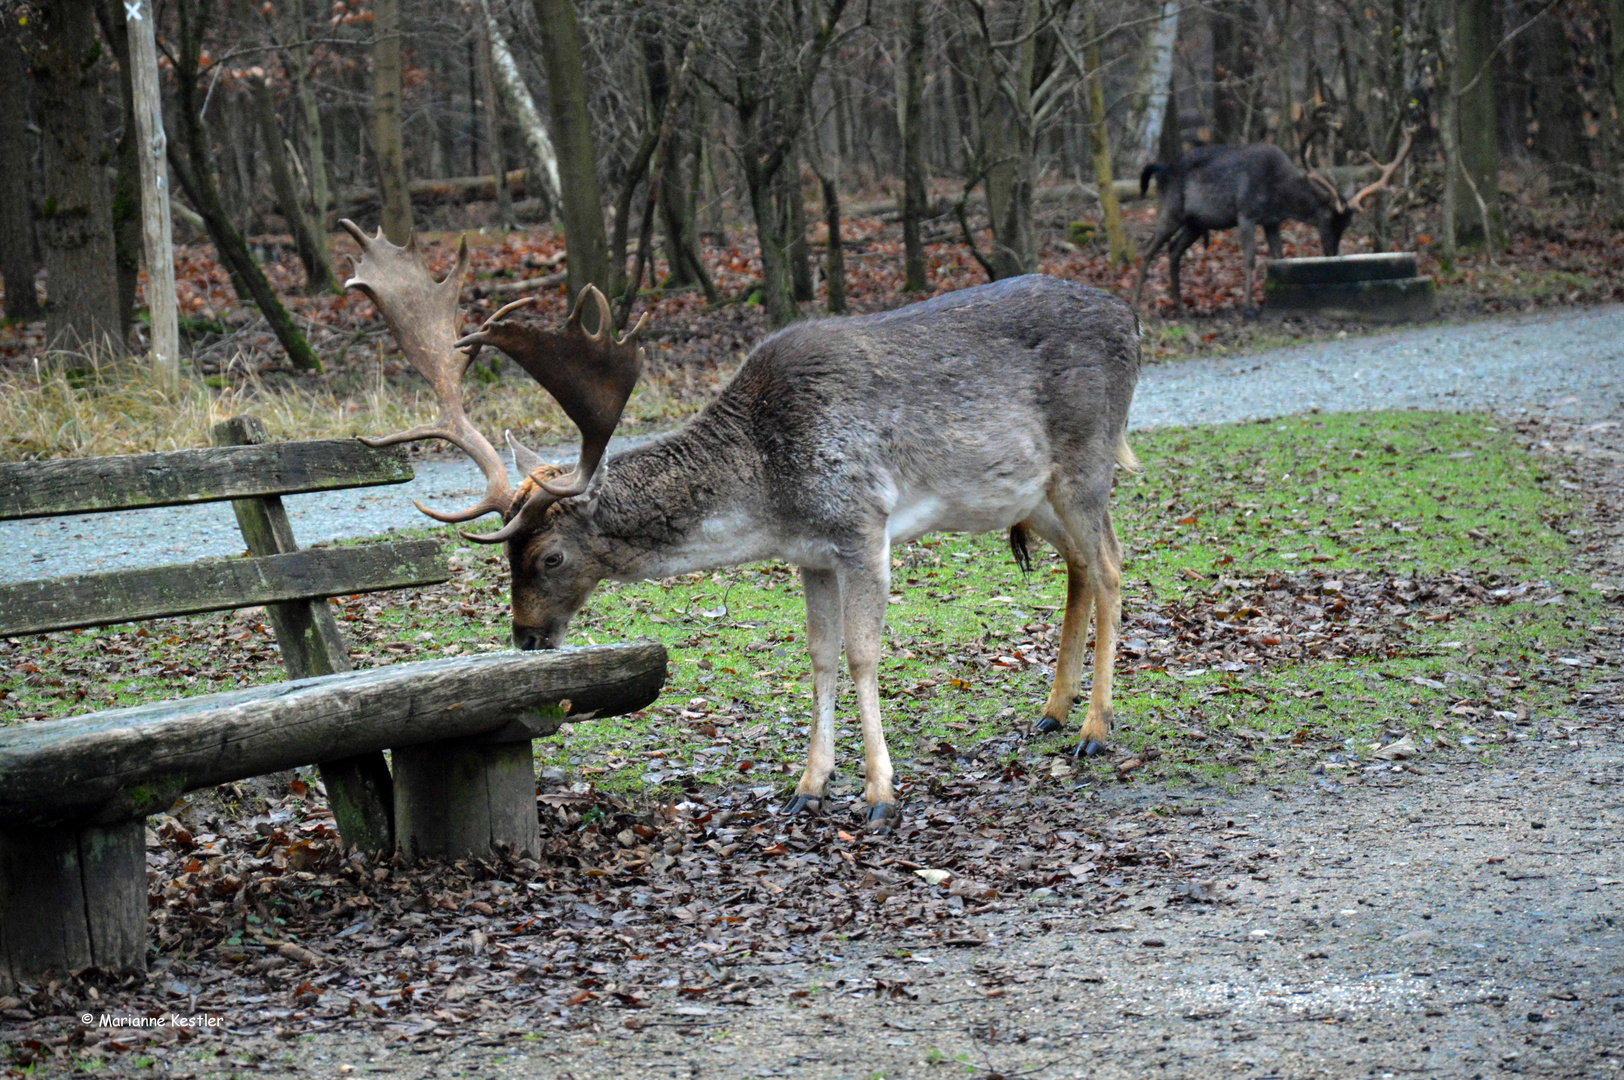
[(998, 407), (1222, 187)]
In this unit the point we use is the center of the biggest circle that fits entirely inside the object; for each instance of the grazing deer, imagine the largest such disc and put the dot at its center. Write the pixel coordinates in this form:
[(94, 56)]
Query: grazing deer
[(998, 407), (1221, 187)]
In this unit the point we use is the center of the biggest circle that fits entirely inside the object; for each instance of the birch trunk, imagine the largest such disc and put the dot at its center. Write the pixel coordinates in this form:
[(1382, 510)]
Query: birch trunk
[(541, 160), (1158, 79)]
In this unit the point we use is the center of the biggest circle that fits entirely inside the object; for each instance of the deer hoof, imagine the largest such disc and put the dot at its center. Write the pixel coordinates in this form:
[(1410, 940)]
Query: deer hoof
[(1089, 748), (881, 815), (803, 802), (1048, 724)]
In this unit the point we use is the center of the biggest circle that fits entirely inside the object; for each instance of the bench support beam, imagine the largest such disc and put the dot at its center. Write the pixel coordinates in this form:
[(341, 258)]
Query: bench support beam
[(72, 897), (359, 789)]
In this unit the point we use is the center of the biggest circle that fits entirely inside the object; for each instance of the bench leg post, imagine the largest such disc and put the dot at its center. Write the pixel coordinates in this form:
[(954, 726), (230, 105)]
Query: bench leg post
[(464, 799), (361, 795), (71, 898)]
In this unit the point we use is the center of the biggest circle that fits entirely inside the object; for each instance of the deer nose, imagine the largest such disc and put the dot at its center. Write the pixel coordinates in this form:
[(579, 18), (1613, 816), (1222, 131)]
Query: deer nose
[(530, 638)]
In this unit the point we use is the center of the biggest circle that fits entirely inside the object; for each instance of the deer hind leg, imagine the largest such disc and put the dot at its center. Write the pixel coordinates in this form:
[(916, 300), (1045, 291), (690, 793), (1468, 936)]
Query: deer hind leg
[(1105, 586), (1068, 668), (1164, 231), (824, 639), (1175, 251), (865, 587)]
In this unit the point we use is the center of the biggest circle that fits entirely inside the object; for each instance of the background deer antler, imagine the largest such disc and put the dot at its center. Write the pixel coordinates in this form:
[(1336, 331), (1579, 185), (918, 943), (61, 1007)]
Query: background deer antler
[(1387, 171), (1313, 174), (423, 316), (590, 374)]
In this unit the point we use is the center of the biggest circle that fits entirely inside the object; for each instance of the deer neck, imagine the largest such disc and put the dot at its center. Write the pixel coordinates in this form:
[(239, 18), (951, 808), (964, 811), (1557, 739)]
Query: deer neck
[(690, 501)]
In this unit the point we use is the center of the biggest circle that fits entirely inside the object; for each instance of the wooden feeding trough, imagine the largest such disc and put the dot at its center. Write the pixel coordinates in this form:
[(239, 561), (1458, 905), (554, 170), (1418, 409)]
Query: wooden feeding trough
[(1381, 287)]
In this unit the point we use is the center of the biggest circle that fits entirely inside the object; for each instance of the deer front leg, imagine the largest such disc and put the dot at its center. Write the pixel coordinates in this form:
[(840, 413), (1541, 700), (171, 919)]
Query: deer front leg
[(823, 639), (865, 586), (1271, 236)]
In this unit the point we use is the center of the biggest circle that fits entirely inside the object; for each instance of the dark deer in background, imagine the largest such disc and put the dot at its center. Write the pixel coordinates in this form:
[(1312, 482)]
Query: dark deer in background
[(999, 407), (1224, 187)]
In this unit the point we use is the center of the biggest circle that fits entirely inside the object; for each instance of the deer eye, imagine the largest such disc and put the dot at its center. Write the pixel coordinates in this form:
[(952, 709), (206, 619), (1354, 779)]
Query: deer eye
[(553, 561)]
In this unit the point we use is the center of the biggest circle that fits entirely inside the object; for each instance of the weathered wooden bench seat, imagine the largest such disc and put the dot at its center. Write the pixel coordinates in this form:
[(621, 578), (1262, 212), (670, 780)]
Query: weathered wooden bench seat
[(75, 793)]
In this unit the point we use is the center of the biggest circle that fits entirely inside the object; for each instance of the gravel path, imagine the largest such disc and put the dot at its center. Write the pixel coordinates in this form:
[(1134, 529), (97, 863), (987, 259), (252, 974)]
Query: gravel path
[(1569, 365)]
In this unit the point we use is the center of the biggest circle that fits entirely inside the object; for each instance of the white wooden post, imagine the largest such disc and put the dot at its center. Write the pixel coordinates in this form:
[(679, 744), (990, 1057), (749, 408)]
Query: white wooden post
[(156, 237)]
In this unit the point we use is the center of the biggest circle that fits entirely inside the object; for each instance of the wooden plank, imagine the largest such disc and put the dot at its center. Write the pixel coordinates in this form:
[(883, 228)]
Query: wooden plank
[(359, 789), (177, 477), (67, 603), (124, 763)]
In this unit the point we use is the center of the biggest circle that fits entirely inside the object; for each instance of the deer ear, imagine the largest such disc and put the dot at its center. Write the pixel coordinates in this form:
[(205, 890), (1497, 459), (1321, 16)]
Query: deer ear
[(525, 460)]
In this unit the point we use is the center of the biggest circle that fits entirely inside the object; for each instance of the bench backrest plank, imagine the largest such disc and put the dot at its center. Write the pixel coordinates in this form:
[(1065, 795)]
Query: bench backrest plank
[(83, 600), (174, 478)]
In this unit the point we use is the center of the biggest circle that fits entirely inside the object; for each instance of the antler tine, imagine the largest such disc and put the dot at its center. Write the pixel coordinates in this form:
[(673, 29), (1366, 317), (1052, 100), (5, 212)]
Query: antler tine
[(1388, 170), (423, 316)]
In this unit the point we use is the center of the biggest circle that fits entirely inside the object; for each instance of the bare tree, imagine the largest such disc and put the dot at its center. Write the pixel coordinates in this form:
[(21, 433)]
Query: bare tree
[(16, 167), (76, 220)]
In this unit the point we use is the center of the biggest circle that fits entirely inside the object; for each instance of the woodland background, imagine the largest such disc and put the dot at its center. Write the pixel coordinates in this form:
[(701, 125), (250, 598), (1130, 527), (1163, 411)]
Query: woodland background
[(736, 165)]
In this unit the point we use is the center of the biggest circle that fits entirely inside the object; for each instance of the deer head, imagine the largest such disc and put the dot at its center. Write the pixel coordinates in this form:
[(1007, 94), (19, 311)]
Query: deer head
[(1339, 207), (591, 374)]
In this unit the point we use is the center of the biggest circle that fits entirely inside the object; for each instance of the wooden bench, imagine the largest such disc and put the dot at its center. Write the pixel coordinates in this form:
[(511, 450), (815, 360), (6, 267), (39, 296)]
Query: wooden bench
[(75, 793)]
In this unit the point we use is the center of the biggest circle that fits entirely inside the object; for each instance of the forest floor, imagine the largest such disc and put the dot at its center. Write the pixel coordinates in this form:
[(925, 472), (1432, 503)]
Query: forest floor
[(1359, 820)]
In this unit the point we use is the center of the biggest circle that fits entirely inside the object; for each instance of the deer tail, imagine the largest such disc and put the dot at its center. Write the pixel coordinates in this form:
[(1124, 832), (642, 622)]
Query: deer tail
[(1125, 456), (1153, 169), (1019, 548)]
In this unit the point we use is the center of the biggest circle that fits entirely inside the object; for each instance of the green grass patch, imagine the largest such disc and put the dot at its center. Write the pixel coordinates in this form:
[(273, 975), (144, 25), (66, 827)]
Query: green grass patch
[(1485, 630)]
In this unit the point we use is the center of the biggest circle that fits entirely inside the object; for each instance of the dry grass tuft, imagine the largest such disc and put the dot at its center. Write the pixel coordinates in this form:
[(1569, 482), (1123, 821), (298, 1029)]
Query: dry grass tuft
[(90, 404)]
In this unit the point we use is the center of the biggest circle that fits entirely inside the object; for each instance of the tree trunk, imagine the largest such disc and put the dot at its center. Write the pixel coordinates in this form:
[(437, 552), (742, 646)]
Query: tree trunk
[(1477, 165), (495, 145), (1119, 251), (1232, 61), (76, 221), (387, 143), (126, 207), (1285, 49), (1615, 11), (911, 118), (540, 161), (318, 272), (835, 262), (792, 206), (16, 168), (298, 62), (578, 165), (1158, 79), (194, 169), (1010, 128)]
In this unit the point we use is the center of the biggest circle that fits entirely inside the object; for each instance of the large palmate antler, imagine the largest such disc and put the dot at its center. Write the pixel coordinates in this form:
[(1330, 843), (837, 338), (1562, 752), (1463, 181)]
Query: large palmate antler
[(590, 374), (1387, 171), (423, 316)]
